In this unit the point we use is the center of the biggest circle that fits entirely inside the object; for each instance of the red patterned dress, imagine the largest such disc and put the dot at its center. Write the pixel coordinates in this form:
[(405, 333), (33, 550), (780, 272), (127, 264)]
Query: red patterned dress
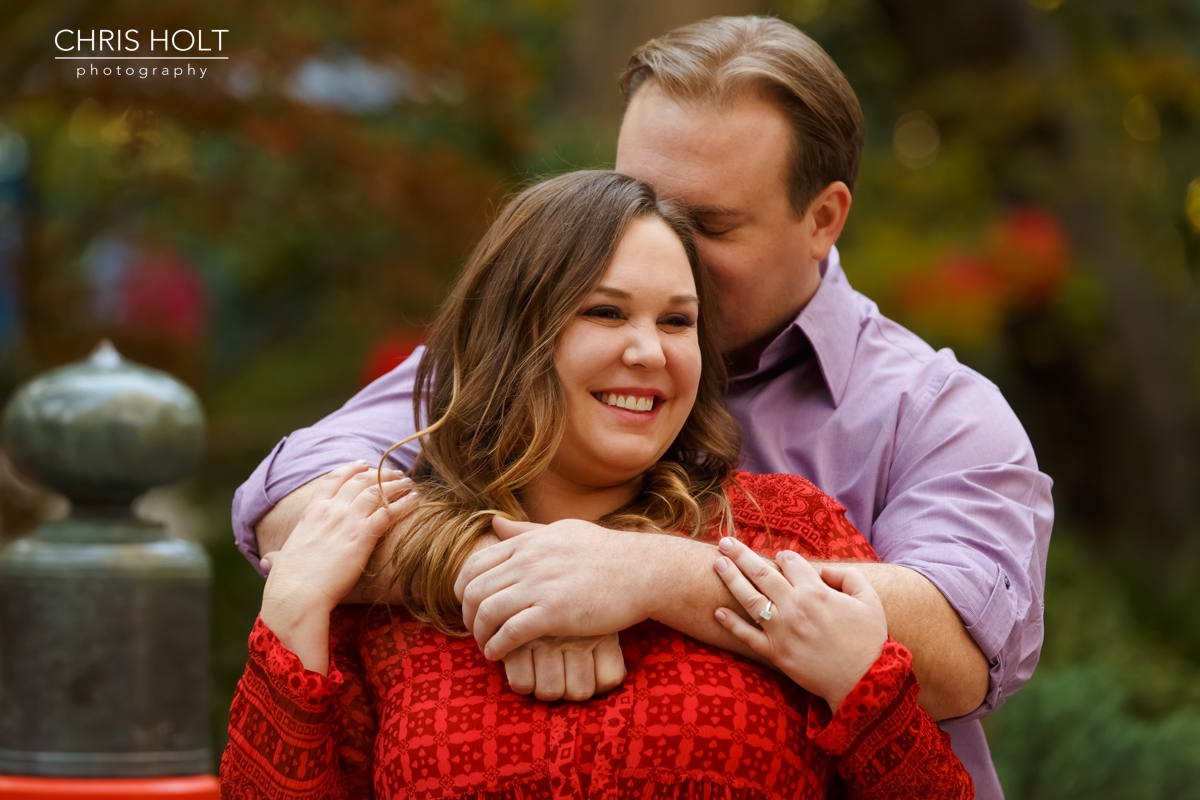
[(407, 712)]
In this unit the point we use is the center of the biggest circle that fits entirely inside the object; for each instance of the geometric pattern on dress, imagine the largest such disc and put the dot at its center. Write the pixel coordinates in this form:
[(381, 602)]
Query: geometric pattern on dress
[(408, 712)]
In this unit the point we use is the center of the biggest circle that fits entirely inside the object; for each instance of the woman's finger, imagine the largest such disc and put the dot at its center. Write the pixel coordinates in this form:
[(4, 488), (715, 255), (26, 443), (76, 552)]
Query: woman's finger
[(580, 669), (609, 662), (753, 637), (329, 485), (549, 673), (758, 570), (383, 518), (354, 486), (740, 587), (518, 668), (396, 487), (797, 569), (368, 498), (851, 581)]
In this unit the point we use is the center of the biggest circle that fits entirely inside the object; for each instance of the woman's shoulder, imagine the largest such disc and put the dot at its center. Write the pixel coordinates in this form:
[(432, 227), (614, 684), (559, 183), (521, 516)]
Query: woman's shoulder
[(777, 512)]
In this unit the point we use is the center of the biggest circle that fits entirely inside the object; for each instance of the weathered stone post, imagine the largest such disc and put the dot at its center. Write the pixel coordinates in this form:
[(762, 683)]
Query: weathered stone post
[(104, 622)]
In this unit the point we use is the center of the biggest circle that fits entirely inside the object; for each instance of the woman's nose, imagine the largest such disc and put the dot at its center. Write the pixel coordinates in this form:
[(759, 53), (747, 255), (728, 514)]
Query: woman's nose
[(645, 349)]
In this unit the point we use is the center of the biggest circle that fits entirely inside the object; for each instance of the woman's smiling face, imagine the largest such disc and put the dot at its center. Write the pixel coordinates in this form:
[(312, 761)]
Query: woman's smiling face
[(629, 362)]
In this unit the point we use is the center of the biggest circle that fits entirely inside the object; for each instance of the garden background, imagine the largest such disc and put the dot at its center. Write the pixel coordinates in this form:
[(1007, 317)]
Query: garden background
[(277, 232)]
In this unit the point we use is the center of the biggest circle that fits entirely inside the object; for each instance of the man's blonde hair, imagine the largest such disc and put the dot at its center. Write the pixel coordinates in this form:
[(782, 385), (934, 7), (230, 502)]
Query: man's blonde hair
[(721, 59)]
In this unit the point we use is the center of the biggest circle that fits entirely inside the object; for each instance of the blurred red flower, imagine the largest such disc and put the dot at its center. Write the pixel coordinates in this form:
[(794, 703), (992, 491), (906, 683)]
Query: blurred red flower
[(388, 352)]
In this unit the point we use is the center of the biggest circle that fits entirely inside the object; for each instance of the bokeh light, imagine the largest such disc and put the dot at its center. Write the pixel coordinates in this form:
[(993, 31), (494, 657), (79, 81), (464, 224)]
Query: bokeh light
[(1141, 119), (916, 140)]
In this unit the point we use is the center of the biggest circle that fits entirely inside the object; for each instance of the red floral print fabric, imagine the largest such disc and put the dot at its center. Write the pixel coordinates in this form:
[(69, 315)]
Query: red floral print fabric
[(407, 712)]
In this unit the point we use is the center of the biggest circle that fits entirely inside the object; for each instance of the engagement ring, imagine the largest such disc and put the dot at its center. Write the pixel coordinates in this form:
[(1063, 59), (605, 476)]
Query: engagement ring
[(765, 614)]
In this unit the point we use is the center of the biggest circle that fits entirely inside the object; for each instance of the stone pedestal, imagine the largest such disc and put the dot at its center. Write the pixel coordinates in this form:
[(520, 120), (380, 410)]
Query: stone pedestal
[(104, 622)]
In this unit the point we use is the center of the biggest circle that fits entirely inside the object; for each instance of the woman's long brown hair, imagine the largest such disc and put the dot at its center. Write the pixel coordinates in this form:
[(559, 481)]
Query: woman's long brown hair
[(487, 381)]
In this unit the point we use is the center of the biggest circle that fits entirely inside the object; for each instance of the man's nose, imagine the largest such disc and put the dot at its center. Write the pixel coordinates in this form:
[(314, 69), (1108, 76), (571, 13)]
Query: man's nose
[(645, 349)]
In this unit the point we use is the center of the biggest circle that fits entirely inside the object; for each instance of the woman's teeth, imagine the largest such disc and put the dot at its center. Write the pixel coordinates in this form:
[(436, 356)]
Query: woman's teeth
[(628, 402)]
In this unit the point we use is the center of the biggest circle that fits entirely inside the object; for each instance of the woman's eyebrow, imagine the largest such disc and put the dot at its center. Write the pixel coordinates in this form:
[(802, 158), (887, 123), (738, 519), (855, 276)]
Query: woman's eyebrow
[(621, 294)]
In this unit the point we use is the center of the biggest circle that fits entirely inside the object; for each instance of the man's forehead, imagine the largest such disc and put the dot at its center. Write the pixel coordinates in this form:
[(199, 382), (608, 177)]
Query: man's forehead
[(703, 155)]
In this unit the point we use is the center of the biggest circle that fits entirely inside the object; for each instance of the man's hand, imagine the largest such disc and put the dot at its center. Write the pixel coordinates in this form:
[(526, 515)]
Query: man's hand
[(531, 586), (566, 667)]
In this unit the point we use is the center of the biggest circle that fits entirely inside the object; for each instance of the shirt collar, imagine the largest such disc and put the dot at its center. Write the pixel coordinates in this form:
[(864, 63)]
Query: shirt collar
[(829, 323)]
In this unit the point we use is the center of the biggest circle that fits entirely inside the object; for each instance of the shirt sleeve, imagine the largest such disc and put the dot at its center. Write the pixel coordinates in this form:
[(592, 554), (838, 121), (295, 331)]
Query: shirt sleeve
[(886, 746), (968, 508), (294, 733), (364, 428)]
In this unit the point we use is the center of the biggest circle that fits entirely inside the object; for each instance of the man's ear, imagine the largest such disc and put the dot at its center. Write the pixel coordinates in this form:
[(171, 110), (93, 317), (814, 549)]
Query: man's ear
[(828, 212)]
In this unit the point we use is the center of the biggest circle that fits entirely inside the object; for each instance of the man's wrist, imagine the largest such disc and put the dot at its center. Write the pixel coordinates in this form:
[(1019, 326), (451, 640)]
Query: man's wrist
[(662, 562)]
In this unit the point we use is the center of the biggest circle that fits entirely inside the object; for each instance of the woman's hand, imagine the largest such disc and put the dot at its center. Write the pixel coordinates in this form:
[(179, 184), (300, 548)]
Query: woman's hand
[(326, 553), (571, 668), (826, 628)]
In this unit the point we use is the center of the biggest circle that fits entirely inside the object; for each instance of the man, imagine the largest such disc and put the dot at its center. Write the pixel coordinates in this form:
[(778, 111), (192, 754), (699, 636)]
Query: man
[(751, 125)]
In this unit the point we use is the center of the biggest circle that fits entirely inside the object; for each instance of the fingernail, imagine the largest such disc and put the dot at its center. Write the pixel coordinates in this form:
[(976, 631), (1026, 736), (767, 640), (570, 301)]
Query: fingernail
[(720, 615), (722, 564), (726, 544), (363, 461)]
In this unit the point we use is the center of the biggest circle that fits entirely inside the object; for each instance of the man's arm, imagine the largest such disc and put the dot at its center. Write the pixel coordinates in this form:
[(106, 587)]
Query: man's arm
[(967, 509), (363, 429), (576, 578), (949, 665)]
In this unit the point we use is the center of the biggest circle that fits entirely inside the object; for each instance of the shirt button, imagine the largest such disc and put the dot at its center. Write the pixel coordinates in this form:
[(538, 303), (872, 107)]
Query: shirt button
[(1006, 583)]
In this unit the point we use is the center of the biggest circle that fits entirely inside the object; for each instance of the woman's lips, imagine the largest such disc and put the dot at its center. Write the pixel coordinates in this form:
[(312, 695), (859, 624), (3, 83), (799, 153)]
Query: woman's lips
[(641, 403)]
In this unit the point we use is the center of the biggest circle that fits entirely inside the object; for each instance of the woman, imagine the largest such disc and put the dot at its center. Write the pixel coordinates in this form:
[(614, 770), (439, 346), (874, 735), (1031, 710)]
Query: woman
[(569, 375)]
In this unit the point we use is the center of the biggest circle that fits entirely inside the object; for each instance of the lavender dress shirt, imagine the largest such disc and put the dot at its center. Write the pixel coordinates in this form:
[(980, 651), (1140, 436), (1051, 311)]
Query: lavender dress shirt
[(929, 460)]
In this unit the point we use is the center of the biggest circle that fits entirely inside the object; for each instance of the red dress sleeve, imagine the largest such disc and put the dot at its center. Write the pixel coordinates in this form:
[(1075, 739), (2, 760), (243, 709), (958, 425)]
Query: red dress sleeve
[(294, 733), (884, 744)]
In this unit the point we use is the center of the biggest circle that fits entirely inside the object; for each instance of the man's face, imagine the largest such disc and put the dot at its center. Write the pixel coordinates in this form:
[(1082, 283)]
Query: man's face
[(729, 166)]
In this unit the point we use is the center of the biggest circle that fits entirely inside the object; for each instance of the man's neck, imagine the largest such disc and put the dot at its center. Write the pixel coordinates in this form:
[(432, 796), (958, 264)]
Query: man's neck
[(744, 360)]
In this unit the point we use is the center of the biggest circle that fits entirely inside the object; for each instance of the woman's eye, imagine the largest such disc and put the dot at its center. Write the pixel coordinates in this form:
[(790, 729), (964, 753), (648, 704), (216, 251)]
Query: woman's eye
[(677, 321), (604, 312)]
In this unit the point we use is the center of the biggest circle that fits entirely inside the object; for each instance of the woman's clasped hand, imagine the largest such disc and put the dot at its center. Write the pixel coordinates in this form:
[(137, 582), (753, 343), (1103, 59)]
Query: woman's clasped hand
[(327, 553), (822, 625)]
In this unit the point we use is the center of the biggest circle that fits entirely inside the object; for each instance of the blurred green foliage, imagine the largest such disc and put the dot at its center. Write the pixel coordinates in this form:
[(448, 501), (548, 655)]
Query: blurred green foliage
[(1028, 195), (1113, 710)]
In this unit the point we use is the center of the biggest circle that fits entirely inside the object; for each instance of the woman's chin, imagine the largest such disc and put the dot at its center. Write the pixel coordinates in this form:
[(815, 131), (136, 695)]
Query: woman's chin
[(609, 473)]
